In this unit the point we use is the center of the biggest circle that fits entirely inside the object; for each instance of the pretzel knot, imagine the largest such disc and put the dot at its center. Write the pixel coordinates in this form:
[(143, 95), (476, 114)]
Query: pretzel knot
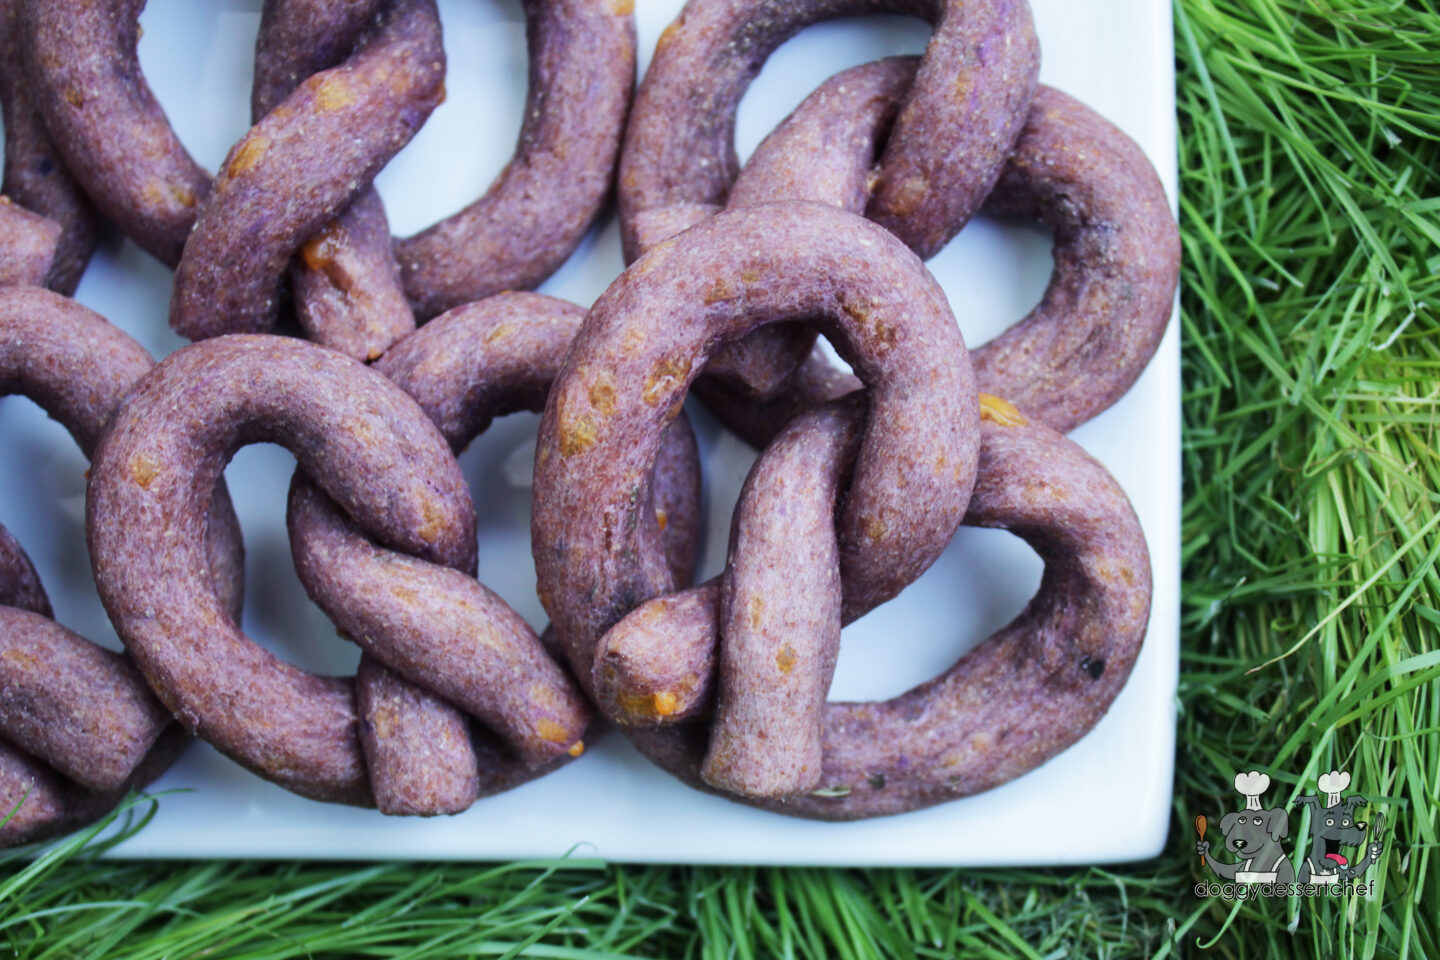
[(384, 536), (78, 725), (597, 550)]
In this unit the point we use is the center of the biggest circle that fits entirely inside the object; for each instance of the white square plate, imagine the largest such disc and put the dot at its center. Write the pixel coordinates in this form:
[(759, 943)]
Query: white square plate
[(612, 803)]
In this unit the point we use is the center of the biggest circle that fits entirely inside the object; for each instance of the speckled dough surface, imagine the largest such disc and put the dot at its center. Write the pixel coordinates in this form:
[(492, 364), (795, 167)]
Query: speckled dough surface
[(367, 445), (114, 137), (950, 138), (300, 166), (35, 176), (28, 245), (79, 725), (441, 629), (597, 551), (777, 656), (1116, 253)]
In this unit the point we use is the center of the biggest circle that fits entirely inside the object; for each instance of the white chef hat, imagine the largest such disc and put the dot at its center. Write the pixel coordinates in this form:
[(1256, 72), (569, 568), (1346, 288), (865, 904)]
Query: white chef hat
[(1250, 786), (1334, 784)]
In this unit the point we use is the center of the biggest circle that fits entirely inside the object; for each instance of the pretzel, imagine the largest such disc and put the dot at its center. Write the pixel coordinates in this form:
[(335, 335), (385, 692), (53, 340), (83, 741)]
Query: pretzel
[(79, 725), (647, 337), (299, 166), (367, 445), (93, 96), (35, 177), (1117, 248), (1024, 695)]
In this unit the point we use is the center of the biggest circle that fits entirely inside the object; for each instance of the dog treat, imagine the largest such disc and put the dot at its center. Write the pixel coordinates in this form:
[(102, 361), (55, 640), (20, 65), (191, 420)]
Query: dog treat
[(79, 724), (438, 627), (35, 178), (1025, 694), (953, 132), (28, 245), (86, 82), (346, 284), (1117, 248), (366, 444), (582, 73), (597, 553), (301, 165), (468, 366)]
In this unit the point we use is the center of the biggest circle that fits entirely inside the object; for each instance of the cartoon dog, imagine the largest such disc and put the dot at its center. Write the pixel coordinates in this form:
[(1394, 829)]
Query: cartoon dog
[(1254, 836), (1332, 827)]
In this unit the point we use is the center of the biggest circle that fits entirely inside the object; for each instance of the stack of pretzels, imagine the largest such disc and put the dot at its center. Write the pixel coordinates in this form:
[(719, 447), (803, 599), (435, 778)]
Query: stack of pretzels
[(416, 344)]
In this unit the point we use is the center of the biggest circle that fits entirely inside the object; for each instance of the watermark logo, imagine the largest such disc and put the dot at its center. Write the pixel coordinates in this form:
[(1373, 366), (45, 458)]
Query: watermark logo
[(1255, 863)]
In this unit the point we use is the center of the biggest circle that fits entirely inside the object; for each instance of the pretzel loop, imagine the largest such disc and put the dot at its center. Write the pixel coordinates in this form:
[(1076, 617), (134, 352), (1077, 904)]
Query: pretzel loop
[(381, 461)]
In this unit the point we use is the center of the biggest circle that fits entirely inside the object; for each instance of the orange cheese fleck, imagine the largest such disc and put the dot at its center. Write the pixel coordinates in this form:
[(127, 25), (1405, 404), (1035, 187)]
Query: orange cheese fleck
[(1000, 412)]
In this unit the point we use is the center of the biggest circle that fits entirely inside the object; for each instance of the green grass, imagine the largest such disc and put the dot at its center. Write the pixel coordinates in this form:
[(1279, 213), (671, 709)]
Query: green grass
[(1310, 205)]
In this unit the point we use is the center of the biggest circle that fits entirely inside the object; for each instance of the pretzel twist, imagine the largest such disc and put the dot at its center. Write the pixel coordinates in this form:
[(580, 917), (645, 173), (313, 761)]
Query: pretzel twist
[(1019, 698), (400, 514), (299, 181), (302, 164), (465, 368)]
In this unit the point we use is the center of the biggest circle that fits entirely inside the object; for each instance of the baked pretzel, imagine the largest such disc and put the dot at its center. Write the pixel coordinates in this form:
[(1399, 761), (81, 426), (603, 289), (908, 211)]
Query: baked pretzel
[(35, 177), (597, 550), (93, 97), (405, 506), (1021, 697), (77, 721), (1116, 253), (298, 167)]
